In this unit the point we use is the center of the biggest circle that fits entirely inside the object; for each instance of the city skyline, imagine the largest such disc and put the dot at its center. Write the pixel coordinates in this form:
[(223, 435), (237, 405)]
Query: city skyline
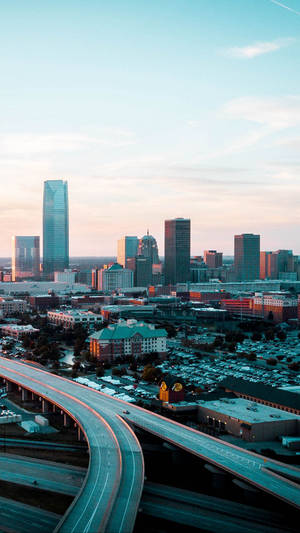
[(116, 122)]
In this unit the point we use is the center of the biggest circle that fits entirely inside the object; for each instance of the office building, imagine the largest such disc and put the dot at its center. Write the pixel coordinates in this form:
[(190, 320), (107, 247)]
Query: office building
[(115, 277), (127, 247), (278, 307), (177, 250), (274, 265), (247, 256), (68, 319), (67, 276), (9, 305), (142, 270), (25, 257), (148, 248), (213, 259), (55, 227)]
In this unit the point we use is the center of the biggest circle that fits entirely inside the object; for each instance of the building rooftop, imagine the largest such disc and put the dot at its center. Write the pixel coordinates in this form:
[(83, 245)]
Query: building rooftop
[(247, 411), (261, 391), (126, 330)]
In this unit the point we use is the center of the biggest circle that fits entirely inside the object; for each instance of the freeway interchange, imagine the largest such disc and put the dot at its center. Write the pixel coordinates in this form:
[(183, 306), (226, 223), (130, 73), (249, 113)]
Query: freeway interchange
[(110, 495)]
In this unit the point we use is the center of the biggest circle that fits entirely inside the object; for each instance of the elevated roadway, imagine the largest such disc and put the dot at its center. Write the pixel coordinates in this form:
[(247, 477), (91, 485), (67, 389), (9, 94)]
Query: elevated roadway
[(16, 516), (112, 490)]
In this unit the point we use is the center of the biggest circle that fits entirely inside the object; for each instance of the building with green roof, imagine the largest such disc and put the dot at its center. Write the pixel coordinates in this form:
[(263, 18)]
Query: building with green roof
[(128, 338)]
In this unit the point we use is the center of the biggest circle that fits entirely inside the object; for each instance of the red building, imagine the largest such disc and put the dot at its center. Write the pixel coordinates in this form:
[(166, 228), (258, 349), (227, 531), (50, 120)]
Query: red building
[(281, 307), (208, 296), (238, 306)]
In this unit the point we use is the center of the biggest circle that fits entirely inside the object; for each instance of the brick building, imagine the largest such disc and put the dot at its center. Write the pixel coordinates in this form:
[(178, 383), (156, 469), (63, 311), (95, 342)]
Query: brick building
[(128, 338), (281, 307)]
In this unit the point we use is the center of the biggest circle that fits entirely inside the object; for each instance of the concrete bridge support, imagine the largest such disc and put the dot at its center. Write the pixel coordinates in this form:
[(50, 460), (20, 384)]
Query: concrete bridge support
[(218, 477), (250, 493), (25, 395), (9, 386), (67, 421), (46, 406)]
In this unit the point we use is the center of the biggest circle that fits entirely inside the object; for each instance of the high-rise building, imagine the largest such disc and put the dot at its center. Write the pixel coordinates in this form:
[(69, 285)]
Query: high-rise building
[(177, 250), (142, 270), (25, 257), (148, 248), (273, 265), (55, 227), (264, 265), (246, 256), (213, 259), (127, 247)]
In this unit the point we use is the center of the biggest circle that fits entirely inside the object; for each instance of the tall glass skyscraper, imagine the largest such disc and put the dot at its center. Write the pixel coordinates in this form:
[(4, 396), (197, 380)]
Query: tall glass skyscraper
[(177, 250), (25, 257), (55, 227)]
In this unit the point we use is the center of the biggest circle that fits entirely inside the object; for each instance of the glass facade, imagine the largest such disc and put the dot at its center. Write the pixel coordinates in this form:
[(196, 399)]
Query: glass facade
[(55, 227), (177, 250), (25, 257), (246, 256)]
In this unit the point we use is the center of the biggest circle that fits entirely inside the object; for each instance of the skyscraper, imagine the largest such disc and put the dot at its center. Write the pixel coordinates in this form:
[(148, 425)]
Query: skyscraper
[(25, 257), (55, 227), (148, 248), (213, 259), (127, 247), (177, 250), (246, 256)]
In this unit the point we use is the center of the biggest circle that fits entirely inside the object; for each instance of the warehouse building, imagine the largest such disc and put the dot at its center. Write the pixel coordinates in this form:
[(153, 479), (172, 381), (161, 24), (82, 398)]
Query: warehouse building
[(249, 420)]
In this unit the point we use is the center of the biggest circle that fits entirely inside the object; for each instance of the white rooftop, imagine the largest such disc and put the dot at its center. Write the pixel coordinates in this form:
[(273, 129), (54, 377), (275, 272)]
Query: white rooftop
[(247, 411)]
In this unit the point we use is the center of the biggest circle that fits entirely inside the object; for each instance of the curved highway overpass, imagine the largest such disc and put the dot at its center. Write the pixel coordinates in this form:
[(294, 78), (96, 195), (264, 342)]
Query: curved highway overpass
[(109, 498)]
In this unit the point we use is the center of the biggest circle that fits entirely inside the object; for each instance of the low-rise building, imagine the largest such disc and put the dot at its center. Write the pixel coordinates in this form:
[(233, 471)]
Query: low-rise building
[(249, 420), (16, 331), (127, 311), (281, 307), (261, 393), (128, 338), (67, 276), (42, 302), (9, 306), (69, 318)]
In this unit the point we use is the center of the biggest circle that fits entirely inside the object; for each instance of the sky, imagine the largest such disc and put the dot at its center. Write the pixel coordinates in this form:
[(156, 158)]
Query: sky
[(152, 110)]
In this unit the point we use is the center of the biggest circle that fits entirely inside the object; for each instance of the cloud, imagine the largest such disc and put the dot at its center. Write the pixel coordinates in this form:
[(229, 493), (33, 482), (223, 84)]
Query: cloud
[(285, 7), (25, 144), (275, 113), (258, 49)]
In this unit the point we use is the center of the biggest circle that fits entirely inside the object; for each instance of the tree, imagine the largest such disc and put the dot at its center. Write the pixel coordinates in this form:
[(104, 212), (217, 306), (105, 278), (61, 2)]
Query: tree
[(150, 373), (256, 336), (281, 335), (99, 371), (272, 361), (271, 316), (269, 335)]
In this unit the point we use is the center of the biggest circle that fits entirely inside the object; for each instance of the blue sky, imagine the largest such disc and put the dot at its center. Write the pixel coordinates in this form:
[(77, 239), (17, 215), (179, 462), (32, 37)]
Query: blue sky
[(152, 110)]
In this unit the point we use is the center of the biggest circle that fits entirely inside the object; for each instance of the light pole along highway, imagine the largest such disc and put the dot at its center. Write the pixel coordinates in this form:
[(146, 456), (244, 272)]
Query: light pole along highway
[(109, 498)]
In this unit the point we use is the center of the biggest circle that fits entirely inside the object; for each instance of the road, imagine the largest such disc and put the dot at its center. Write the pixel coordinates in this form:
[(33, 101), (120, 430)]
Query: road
[(112, 490), (216, 510), (16, 516), (55, 477), (115, 475)]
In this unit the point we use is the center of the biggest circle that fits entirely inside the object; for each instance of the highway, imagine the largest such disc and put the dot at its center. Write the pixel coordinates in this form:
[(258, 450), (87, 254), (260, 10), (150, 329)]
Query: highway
[(55, 477), (112, 490), (190, 508), (16, 516), (115, 476)]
